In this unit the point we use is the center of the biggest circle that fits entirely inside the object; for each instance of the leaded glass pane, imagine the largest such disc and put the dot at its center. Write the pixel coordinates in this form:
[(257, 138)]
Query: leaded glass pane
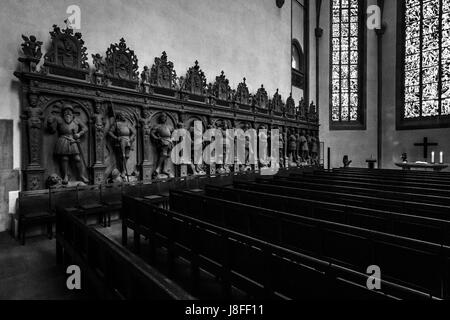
[(427, 58), (345, 60)]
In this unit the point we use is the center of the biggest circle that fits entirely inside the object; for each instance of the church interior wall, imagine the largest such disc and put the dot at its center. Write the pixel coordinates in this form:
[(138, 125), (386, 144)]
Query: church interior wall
[(359, 145), (245, 38), (395, 142)]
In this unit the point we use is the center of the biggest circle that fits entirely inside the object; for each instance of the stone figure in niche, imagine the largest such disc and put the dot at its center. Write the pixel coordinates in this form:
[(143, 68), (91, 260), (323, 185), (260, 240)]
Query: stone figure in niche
[(264, 136), (197, 169), (292, 147), (226, 150), (304, 146), (220, 126), (35, 117), (70, 131), (161, 135), (247, 165), (314, 149), (299, 147), (281, 146), (309, 141), (346, 161), (123, 135)]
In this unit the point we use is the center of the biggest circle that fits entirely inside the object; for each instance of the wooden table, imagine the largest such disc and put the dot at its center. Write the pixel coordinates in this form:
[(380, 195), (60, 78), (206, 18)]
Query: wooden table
[(424, 166)]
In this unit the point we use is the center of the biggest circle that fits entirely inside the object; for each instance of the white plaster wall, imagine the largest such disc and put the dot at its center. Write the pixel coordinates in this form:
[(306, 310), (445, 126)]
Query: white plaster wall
[(245, 38), (248, 38), (359, 145), (396, 142)]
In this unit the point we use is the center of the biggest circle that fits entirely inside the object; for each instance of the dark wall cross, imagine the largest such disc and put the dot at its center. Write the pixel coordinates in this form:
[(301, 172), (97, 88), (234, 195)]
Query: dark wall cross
[(425, 146)]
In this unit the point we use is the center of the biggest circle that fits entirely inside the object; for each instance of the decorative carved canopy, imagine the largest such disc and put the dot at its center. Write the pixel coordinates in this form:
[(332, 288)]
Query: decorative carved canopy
[(163, 73), (67, 52), (31, 47), (242, 94), (221, 88), (121, 65), (195, 81), (277, 103), (290, 105), (96, 106), (261, 98)]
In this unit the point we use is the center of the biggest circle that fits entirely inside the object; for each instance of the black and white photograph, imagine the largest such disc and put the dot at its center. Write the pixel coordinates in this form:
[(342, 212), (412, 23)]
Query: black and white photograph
[(222, 156)]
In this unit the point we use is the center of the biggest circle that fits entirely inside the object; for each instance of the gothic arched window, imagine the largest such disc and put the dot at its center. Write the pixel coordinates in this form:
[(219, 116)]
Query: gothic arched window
[(347, 28), (298, 65), (424, 98)]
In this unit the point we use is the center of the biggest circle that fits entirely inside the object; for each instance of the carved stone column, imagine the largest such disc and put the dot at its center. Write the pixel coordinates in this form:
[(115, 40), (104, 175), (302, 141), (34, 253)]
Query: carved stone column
[(98, 122), (146, 167), (32, 129)]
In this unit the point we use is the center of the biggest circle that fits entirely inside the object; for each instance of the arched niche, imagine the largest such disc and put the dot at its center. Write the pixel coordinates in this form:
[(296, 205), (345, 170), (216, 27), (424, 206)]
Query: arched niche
[(112, 150), (51, 162), (153, 158)]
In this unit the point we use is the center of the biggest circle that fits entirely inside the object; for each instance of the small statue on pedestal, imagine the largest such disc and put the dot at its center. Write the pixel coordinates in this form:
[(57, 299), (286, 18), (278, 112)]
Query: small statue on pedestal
[(292, 148), (304, 146), (162, 136)]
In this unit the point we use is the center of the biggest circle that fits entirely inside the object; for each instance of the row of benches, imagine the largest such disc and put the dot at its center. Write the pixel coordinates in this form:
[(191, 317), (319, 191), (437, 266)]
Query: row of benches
[(109, 271), (422, 228), (349, 246), (262, 268), (39, 207)]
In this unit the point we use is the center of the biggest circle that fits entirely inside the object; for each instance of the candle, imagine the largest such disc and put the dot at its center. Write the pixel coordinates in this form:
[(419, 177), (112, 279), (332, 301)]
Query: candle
[(432, 156), (441, 157)]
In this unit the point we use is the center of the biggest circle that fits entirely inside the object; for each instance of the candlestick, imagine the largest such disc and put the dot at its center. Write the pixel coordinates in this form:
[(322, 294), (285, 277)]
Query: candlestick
[(441, 157), (432, 156)]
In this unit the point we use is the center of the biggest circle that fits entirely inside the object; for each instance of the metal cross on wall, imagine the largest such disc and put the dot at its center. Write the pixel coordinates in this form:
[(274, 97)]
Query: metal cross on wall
[(425, 146)]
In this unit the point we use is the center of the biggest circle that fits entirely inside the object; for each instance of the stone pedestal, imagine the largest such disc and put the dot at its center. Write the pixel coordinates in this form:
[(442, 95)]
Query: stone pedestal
[(98, 173), (146, 88), (212, 169), (33, 177), (182, 170), (146, 169)]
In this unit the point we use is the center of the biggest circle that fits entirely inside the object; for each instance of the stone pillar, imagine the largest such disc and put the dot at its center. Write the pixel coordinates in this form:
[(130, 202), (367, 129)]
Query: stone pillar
[(98, 122), (146, 167), (32, 126)]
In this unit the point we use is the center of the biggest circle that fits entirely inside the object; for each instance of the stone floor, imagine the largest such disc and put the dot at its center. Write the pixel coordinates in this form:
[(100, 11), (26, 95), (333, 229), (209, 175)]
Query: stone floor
[(30, 272)]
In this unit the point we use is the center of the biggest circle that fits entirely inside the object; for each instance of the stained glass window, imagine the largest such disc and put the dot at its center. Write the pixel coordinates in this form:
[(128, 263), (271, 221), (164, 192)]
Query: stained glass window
[(426, 59), (345, 64)]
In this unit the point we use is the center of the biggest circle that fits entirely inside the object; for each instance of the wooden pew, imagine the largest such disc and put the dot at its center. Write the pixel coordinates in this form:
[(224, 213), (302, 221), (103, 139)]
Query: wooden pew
[(432, 176), (378, 192), (109, 271), (388, 180), (34, 209), (258, 267), (366, 201), (395, 186), (422, 266), (422, 228)]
